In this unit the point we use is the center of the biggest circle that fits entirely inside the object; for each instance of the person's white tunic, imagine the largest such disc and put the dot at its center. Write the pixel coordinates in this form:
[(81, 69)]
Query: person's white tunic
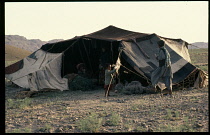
[(162, 71)]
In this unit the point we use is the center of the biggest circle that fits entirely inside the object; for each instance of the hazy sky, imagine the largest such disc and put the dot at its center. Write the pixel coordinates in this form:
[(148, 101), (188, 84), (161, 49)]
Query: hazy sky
[(187, 20)]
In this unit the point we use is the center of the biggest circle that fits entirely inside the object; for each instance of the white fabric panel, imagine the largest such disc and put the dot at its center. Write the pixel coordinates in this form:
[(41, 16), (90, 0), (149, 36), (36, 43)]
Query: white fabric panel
[(41, 70), (179, 48)]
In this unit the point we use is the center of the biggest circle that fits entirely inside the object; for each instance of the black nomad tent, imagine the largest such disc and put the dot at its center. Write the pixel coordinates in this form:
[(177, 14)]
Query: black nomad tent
[(46, 67)]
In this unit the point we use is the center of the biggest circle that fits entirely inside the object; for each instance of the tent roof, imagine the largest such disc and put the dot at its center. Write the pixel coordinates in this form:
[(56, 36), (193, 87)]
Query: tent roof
[(113, 33), (110, 33)]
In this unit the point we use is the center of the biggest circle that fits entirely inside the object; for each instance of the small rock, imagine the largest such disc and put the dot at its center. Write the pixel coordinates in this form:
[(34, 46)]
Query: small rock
[(135, 121), (172, 119), (51, 131), (199, 125), (193, 109), (200, 117), (201, 110), (151, 120), (150, 129), (60, 129), (70, 127), (144, 125)]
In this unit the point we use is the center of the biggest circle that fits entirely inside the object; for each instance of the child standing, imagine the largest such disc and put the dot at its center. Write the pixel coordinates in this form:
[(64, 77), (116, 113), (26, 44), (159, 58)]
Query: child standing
[(108, 83)]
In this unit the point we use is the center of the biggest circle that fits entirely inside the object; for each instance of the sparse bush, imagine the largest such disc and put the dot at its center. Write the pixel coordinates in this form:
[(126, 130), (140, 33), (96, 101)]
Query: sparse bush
[(81, 83), (134, 87), (152, 111), (19, 103), (90, 124), (166, 128), (25, 130), (169, 115), (10, 103), (187, 126), (135, 107), (103, 114), (24, 103), (205, 68), (114, 119), (128, 125), (177, 114), (141, 129), (46, 128), (119, 87)]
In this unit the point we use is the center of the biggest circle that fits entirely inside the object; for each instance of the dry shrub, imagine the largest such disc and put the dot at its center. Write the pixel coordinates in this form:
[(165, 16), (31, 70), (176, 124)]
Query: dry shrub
[(119, 87), (134, 87), (91, 123)]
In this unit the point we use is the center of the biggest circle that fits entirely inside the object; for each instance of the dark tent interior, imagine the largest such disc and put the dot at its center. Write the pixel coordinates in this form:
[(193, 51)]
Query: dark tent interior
[(89, 50)]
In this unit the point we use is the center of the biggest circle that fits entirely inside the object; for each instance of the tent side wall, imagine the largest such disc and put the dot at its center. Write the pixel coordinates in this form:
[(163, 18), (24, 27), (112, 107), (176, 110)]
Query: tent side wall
[(40, 70), (141, 53)]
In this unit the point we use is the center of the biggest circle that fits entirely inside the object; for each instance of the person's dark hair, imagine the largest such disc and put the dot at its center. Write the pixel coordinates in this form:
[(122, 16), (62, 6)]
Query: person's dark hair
[(161, 43), (80, 66), (107, 65)]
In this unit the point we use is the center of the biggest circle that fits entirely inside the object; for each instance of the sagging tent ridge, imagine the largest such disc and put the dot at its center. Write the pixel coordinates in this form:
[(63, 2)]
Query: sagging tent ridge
[(46, 67)]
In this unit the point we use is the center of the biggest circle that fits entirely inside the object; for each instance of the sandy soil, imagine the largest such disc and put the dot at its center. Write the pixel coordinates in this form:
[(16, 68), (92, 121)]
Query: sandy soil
[(59, 112)]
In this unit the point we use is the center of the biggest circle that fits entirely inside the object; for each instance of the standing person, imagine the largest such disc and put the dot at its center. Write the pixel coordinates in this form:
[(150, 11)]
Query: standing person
[(108, 83), (164, 70), (104, 58)]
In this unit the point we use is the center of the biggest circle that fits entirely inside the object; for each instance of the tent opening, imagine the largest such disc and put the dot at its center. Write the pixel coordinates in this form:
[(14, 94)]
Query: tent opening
[(88, 51)]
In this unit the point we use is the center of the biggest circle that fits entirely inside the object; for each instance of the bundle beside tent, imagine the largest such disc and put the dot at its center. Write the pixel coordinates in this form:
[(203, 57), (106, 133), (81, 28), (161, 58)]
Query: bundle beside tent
[(46, 67)]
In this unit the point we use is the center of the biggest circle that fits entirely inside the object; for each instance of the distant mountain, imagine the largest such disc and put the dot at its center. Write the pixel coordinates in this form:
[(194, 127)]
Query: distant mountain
[(13, 53), (34, 44), (198, 45), (26, 44)]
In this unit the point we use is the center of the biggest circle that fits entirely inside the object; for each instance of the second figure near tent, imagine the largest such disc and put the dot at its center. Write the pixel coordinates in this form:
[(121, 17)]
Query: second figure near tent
[(109, 79), (105, 57), (164, 71)]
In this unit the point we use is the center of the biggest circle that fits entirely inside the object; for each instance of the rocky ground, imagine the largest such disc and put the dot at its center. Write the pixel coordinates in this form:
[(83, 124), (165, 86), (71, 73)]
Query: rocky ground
[(70, 111)]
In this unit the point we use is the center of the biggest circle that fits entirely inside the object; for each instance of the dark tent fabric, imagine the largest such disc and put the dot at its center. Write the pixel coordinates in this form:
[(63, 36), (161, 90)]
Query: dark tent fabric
[(137, 56)]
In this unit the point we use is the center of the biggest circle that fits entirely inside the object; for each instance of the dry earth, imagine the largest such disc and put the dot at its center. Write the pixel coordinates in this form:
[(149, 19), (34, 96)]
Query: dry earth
[(59, 112)]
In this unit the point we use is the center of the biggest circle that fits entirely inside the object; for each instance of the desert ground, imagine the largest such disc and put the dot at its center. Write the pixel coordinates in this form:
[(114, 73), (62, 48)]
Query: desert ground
[(91, 112)]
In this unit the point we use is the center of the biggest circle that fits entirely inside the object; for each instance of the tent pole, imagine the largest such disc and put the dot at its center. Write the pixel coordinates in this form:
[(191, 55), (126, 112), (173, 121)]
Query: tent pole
[(51, 47), (109, 86), (63, 63), (81, 55), (87, 55), (112, 52), (71, 45)]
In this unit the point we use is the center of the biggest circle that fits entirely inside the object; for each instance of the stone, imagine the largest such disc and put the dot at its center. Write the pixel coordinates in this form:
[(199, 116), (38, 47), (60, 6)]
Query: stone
[(135, 121), (199, 125), (150, 129), (51, 131), (70, 127), (193, 109), (59, 129), (144, 125)]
